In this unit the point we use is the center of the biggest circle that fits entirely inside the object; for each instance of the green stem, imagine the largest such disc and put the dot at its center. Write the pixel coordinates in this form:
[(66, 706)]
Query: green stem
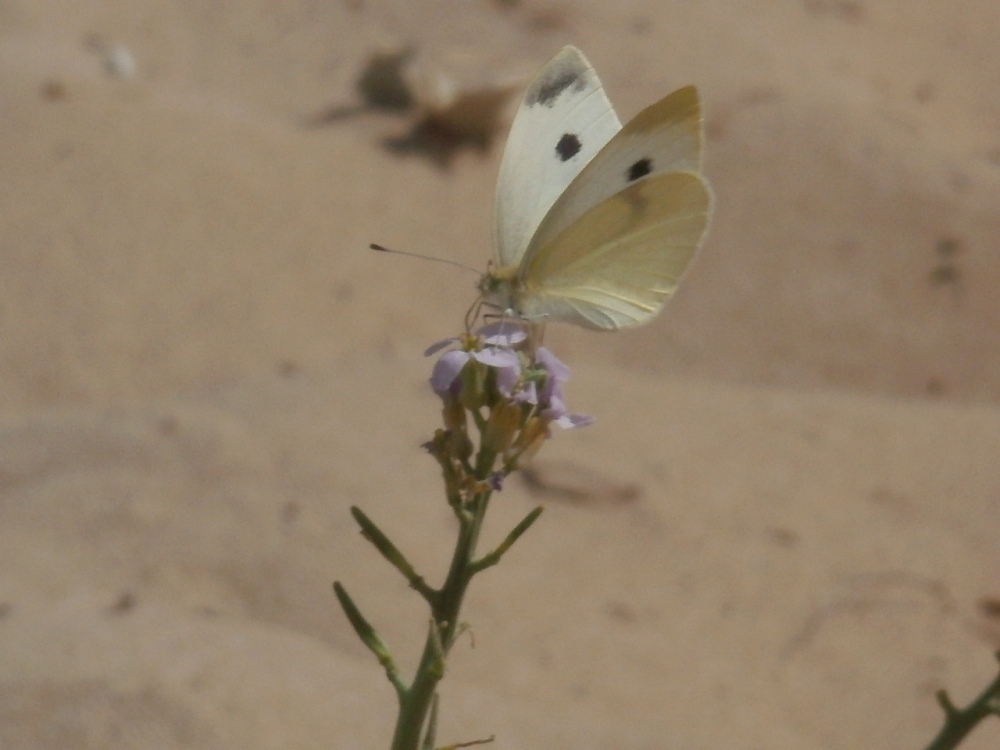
[(959, 722), (431, 734), (417, 700)]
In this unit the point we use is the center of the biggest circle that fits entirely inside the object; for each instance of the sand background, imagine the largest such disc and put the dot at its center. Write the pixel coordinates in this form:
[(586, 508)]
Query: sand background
[(790, 535)]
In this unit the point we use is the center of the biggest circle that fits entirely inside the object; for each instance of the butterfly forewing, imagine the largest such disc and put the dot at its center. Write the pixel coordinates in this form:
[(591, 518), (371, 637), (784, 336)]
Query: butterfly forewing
[(664, 137), (563, 121), (619, 263)]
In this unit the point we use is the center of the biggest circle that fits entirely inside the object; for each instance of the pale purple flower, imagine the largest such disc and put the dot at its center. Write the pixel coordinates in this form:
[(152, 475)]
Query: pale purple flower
[(445, 375), (500, 338), (503, 333), (508, 376), (552, 398), (557, 370)]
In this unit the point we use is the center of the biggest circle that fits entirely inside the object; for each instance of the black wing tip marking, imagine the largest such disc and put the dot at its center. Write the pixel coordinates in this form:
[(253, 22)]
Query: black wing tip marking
[(562, 74)]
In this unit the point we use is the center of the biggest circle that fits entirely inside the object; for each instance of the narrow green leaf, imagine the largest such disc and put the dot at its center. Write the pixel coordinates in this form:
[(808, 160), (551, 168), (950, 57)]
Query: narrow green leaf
[(370, 638), (493, 557), (390, 552)]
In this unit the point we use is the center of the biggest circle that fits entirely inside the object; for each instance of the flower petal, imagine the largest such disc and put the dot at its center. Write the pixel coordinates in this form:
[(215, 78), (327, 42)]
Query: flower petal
[(554, 407), (507, 378), (434, 348), (569, 421), (497, 357), (558, 371), (496, 480), (447, 370), (528, 394), (503, 333)]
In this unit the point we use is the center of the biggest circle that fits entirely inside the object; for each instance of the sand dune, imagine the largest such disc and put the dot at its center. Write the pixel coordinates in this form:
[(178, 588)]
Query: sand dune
[(794, 525)]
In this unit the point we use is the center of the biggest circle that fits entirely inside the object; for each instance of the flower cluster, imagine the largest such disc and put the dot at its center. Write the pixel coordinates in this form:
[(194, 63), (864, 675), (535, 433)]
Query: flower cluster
[(512, 393)]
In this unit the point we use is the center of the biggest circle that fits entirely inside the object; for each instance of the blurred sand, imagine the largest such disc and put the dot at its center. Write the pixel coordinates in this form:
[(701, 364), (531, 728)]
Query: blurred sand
[(203, 369)]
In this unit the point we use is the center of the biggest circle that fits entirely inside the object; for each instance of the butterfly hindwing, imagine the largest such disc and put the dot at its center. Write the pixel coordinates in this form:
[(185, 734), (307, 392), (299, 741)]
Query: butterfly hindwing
[(563, 121), (664, 137), (617, 264)]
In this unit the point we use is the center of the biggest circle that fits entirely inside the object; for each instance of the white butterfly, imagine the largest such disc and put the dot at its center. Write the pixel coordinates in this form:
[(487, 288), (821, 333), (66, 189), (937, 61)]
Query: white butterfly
[(595, 222)]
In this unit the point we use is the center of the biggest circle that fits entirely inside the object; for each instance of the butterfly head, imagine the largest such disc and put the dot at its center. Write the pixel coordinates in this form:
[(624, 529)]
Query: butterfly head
[(498, 287)]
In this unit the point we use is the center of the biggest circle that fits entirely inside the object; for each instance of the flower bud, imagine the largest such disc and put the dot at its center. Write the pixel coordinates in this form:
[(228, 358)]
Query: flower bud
[(453, 415), (472, 393), (534, 433), (460, 444), (502, 425)]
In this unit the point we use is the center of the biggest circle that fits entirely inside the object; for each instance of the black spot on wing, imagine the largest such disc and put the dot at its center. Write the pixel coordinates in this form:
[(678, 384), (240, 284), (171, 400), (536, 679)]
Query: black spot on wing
[(547, 90), (639, 169), (568, 147)]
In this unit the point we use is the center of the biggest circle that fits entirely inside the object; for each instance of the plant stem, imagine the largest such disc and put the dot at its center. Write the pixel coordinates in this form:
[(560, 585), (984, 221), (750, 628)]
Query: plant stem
[(416, 701), (959, 722)]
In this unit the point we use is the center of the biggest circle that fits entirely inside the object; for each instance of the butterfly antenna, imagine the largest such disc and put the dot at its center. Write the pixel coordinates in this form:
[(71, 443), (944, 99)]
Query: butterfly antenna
[(464, 267)]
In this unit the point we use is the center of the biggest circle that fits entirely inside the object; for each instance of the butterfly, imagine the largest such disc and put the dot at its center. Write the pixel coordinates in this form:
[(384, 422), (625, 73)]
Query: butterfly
[(594, 222)]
